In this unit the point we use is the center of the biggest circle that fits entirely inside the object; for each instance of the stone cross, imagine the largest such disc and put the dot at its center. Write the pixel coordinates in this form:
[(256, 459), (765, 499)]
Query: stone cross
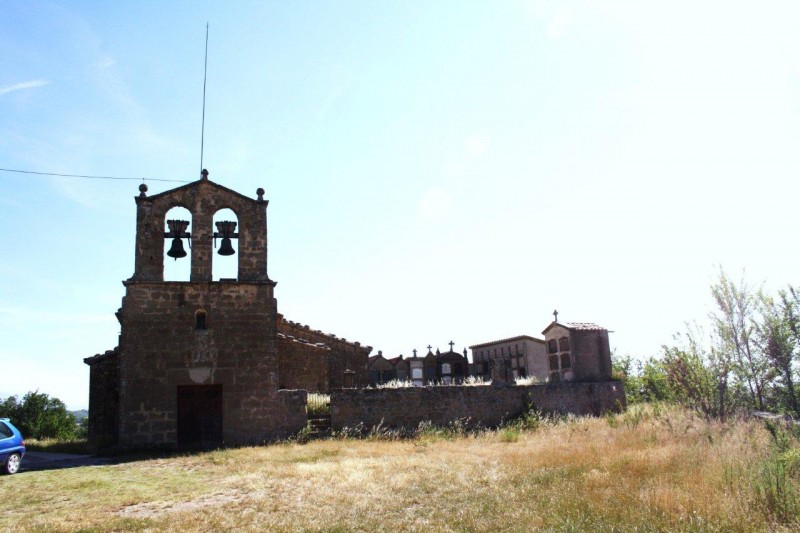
[(415, 352), (451, 343), (429, 347), (555, 314)]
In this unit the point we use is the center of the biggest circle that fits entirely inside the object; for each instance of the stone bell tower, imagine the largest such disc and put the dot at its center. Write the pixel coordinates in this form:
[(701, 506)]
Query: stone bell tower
[(197, 359)]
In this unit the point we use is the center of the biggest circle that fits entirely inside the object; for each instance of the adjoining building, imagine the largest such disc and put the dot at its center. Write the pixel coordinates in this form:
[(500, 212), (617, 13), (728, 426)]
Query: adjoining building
[(526, 356)]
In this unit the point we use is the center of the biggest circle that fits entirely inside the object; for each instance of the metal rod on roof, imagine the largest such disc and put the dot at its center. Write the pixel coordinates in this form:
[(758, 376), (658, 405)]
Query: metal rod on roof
[(203, 126)]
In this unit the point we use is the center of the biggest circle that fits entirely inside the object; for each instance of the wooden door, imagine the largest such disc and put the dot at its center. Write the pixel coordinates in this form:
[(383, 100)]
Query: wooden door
[(199, 416)]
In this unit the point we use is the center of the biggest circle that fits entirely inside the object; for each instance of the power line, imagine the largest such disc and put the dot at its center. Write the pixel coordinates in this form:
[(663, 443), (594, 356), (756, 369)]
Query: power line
[(87, 177)]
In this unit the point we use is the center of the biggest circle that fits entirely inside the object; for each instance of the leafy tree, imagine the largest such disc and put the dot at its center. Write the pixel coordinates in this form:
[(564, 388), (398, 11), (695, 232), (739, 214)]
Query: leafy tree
[(780, 338), (735, 324), (38, 416), (643, 382), (698, 377)]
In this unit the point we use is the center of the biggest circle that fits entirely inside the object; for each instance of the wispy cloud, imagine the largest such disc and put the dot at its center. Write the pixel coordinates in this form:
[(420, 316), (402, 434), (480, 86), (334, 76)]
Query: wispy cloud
[(23, 85), (435, 204)]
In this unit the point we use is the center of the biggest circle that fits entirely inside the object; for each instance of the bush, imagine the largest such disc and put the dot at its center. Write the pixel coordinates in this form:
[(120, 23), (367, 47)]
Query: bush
[(38, 416)]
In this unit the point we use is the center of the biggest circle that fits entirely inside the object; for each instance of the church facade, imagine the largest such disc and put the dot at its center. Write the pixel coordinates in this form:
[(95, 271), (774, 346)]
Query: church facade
[(203, 362)]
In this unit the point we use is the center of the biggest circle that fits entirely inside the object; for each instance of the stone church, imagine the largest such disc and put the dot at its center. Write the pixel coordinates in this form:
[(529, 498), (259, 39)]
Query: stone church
[(203, 362)]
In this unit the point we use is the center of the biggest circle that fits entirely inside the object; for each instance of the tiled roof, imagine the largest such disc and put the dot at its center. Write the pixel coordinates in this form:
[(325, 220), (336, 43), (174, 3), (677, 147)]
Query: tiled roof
[(304, 341), (327, 337), (575, 326), (101, 356), (587, 326), (503, 341)]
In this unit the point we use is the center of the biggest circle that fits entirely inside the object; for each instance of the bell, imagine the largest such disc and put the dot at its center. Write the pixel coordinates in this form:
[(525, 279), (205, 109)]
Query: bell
[(176, 250), (225, 248)]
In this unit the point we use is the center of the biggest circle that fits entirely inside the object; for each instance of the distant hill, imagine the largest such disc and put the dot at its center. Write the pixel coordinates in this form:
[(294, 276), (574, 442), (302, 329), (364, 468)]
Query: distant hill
[(80, 414)]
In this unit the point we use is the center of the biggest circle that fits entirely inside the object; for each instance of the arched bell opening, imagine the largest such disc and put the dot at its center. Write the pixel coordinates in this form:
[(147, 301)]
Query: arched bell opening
[(177, 244), (225, 261)]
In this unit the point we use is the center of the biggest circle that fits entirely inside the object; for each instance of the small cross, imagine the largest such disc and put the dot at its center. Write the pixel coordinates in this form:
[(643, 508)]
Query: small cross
[(204, 174), (555, 314), (415, 352), (451, 343), (429, 347)]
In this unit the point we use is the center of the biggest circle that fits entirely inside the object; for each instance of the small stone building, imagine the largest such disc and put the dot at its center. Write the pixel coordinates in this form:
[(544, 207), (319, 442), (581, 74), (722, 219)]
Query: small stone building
[(577, 351), (203, 362)]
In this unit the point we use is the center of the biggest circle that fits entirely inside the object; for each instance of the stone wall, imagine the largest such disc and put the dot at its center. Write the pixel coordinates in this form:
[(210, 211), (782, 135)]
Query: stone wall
[(592, 355), (103, 398), (161, 348), (302, 365), (344, 356), (481, 405)]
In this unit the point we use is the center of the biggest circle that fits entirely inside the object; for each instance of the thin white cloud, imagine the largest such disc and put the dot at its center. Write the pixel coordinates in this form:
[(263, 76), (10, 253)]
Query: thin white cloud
[(105, 62), (435, 204), (559, 24), (476, 144), (23, 85)]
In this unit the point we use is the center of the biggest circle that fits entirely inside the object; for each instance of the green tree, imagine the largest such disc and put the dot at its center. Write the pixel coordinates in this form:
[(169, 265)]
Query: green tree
[(780, 338), (38, 416), (699, 377), (735, 324)]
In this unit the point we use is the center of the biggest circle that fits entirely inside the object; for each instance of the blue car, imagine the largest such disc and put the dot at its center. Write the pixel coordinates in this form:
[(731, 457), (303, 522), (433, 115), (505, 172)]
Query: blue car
[(12, 447)]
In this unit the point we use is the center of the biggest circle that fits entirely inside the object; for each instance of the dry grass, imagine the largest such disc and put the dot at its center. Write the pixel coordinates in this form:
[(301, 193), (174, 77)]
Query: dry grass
[(642, 470)]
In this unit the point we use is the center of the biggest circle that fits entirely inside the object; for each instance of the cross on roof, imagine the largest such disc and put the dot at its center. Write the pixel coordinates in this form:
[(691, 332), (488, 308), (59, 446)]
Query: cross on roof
[(415, 352), (429, 347), (555, 314), (451, 343)]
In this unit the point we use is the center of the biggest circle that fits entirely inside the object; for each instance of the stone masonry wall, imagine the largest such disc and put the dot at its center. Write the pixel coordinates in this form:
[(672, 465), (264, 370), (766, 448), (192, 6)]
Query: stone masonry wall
[(481, 405), (302, 365), (103, 398), (344, 355), (161, 348)]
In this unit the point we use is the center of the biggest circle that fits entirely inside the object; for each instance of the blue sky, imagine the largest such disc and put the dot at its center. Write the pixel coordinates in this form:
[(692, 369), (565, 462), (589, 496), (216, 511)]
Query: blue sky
[(436, 170)]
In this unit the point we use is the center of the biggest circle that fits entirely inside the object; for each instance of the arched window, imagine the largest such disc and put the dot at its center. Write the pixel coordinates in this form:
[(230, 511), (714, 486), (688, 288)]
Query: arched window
[(177, 250), (225, 261), (200, 319)]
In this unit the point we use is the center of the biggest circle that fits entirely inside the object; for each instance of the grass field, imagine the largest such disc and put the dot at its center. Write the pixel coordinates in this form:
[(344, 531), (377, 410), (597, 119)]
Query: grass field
[(647, 469)]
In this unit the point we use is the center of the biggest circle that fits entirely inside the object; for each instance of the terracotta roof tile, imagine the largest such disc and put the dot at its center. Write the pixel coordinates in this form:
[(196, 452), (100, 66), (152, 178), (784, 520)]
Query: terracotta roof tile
[(587, 326)]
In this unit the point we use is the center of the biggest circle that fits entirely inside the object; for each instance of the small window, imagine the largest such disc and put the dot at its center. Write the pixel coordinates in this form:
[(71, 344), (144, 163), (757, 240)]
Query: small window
[(553, 362), (5, 431), (446, 369), (563, 344), (416, 373), (565, 361), (552, 346), (200, 319)]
